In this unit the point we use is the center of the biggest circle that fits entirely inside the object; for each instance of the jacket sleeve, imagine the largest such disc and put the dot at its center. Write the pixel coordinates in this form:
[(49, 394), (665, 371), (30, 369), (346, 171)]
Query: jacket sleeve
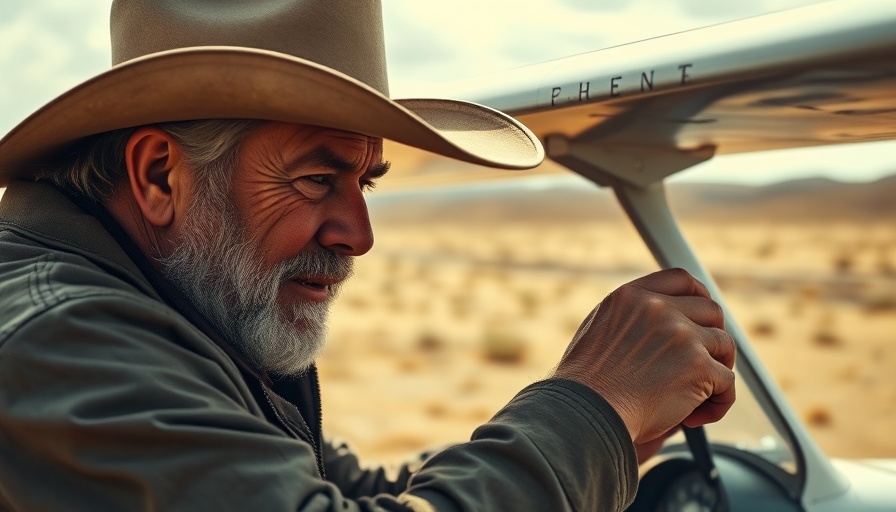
[(556, 446), (113, 402)]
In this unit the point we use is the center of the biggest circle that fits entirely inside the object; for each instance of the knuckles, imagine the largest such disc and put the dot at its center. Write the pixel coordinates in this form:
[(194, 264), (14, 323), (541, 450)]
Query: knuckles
[(679, 274), (662, 336), (633, 298), (683, 332), (655, 306)]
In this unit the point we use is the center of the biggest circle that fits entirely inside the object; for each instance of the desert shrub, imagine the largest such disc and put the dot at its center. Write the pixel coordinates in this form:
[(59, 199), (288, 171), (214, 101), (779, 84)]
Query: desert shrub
[(395, 304), (818, 416), (810, 292), (848, 373), (430, 342), (884, 263), (422, 307), (358, 302), (879, 303), (461, 306), (502, 345), (480, 414), (505, 255), (406, 443), (563, 289), (469, 386), (786, 383), (529, 302), (766, 249), (501, 276), (844, 263), (763, 328), (388, 288), (436, 410), (409, 364), (825, 334), (797, 306), (826, 338)]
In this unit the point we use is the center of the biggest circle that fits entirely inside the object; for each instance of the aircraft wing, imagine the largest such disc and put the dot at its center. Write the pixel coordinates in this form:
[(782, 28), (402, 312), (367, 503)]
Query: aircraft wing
[(817, 75)]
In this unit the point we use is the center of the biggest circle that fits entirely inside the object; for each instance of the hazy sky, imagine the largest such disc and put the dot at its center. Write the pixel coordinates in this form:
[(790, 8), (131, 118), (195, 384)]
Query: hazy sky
[(48, 46)]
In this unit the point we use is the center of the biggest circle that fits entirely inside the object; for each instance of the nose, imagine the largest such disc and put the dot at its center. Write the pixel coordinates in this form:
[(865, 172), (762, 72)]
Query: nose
[(347, 229)]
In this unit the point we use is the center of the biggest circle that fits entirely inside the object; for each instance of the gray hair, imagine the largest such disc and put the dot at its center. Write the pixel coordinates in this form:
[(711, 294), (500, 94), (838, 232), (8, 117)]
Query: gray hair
[(210, 147)]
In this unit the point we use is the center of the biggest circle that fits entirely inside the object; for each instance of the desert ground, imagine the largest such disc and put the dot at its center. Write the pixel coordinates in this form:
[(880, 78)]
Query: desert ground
[(445, 320)]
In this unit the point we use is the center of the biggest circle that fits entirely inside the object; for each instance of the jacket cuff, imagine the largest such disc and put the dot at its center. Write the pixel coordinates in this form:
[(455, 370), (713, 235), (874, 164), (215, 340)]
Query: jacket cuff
[(583, 438)]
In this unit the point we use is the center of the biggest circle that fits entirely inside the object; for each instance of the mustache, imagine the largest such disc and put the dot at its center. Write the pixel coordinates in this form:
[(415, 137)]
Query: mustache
[(318, 263)]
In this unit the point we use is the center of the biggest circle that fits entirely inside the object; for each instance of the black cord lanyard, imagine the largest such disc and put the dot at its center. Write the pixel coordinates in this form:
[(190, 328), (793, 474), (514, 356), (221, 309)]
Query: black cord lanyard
[(699, 446)]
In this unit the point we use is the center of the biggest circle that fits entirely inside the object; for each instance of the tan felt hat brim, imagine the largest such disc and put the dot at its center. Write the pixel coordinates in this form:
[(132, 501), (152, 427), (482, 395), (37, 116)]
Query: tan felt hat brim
[(242, 83)]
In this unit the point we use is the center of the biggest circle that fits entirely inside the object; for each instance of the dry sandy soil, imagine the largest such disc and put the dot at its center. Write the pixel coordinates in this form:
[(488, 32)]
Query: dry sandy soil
[(446, 321)]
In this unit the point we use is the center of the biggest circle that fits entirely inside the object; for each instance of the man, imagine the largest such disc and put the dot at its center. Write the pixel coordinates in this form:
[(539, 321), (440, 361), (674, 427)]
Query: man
[(172, 234)]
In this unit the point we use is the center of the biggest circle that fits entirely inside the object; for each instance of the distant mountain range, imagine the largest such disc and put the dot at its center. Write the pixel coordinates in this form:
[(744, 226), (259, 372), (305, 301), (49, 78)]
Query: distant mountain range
[(816, 199)]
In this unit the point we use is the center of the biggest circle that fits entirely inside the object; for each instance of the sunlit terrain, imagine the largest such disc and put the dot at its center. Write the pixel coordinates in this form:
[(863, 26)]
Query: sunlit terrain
[(446, 319)]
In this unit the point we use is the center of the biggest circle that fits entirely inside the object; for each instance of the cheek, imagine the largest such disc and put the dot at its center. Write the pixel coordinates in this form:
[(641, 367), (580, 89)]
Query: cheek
[(284, 232)]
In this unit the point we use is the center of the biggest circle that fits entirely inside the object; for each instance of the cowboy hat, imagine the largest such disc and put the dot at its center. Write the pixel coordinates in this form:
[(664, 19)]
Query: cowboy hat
[(319, 62)]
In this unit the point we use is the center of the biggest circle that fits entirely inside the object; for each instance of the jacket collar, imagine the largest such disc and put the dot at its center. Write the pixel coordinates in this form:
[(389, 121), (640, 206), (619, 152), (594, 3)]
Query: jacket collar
[(78, 225), (42, 210)]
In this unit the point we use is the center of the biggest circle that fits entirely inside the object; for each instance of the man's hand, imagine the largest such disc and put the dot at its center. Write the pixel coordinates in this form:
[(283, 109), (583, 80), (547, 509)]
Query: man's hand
[(657, 351)]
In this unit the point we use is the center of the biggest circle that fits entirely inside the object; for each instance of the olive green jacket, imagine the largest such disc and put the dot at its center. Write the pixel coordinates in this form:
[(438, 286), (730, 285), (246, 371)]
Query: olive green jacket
[(112, 400)]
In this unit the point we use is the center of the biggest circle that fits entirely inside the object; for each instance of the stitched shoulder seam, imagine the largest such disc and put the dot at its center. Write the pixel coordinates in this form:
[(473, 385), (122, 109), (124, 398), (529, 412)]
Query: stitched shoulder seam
[(44, 307), (26, 232)]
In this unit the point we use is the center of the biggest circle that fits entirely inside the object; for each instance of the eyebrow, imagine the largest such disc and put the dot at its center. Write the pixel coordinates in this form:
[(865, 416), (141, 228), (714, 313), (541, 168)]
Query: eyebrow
[(323, 156)]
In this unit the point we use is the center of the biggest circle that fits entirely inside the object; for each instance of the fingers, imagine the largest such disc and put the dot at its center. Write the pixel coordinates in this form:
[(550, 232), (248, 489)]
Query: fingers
[(721, 346), (657, 351), (700, 310), (673, 281), (710, 324), (722, 398)]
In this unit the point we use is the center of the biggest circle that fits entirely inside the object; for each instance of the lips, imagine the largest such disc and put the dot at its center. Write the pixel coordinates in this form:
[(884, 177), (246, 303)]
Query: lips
[(314, 284), (313, 289), (316, 281)]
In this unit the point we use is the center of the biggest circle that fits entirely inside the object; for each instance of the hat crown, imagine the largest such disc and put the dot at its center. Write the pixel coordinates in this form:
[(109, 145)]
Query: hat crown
[(345, 35)]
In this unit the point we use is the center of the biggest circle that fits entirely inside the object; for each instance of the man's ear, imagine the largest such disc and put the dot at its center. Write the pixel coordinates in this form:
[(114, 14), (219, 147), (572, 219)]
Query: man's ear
[(156, 174)]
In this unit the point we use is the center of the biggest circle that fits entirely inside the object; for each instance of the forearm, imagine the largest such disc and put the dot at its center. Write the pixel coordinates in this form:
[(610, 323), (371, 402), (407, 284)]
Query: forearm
[(556, 446)]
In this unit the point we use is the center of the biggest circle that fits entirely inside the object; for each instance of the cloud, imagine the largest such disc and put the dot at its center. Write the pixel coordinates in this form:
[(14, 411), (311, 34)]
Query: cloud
[(488, 37), (47, 48), (706, 10), (715, 10), (413, 49), (596, 5)]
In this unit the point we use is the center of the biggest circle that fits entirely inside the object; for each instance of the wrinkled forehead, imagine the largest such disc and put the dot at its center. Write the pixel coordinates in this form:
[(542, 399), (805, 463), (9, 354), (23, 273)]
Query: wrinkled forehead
[(289, 137)]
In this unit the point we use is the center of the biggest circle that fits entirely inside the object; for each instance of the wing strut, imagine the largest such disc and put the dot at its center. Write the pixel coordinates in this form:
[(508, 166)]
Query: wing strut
[(636, 177)]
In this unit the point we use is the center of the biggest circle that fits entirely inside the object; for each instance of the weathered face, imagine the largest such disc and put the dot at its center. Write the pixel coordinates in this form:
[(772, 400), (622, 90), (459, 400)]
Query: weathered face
[(299, 188), (264, 263)]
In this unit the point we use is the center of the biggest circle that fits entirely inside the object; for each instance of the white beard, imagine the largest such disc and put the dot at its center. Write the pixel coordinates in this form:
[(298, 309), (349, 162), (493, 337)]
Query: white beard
[(221, 273)]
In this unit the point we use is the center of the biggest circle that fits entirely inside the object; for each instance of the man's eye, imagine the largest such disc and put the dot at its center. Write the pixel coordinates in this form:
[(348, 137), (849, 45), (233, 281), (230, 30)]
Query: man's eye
[(319, 179), (314, 186)]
